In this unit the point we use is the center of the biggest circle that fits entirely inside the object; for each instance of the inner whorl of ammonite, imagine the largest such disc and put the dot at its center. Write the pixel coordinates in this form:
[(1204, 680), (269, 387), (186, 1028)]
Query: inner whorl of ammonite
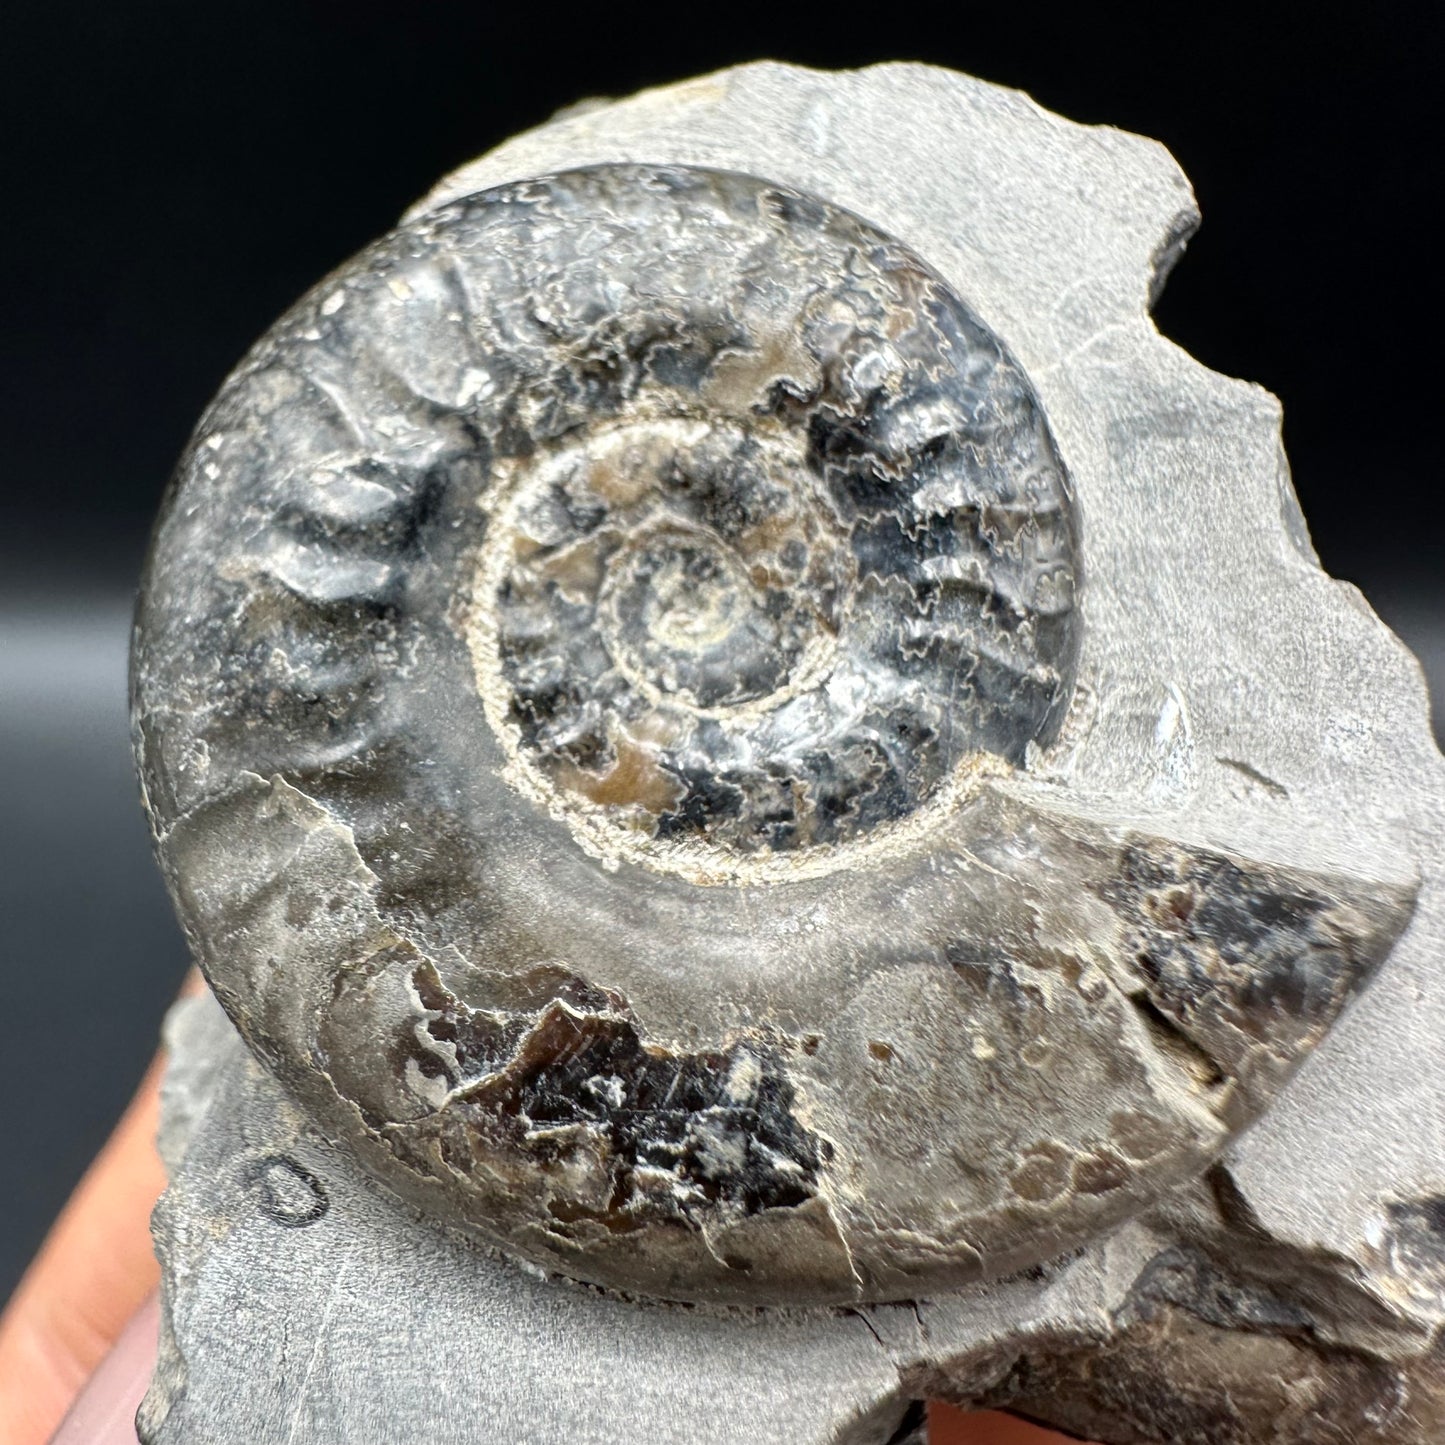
[(808, 563)]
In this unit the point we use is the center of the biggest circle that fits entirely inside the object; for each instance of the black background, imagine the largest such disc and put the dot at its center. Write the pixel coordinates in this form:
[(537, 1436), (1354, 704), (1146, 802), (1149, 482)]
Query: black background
[(174, 174)]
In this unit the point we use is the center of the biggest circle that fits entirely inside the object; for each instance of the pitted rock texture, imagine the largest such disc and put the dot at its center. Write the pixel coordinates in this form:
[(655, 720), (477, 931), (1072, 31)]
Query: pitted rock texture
[(599, 690)]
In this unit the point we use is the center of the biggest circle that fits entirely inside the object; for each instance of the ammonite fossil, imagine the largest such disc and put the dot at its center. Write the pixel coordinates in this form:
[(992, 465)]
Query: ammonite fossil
[(604, 690)]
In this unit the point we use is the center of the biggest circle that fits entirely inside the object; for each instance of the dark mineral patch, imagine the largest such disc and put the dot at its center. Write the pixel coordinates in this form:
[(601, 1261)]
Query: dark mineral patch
[(1187, 1280), (1202, 1356), (1417, 1239), (708, 1129), (1235, 958)]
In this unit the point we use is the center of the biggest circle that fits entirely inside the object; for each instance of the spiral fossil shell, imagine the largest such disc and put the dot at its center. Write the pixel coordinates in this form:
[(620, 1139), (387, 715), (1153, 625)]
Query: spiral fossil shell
[(708, 624), (590, 688)]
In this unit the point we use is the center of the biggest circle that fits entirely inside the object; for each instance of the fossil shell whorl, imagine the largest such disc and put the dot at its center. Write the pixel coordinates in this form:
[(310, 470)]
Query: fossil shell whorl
[(585, 689), (709, 616)]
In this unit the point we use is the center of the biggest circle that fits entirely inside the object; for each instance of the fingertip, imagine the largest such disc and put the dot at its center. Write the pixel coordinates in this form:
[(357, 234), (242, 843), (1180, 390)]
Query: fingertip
[(948, 1426), (104, 1411)]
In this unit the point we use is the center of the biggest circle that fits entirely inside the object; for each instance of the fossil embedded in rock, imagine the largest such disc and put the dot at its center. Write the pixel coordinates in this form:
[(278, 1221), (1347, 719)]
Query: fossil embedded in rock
[(605, 688), (725, 715)]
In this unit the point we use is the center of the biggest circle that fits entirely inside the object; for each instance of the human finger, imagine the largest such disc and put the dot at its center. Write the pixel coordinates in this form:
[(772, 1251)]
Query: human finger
[(947, 1426), (91, 1275), (104, 1411)]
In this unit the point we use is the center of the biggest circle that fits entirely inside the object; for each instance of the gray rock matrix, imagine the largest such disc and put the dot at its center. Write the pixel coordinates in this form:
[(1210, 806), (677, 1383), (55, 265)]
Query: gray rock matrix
[(784, 820)]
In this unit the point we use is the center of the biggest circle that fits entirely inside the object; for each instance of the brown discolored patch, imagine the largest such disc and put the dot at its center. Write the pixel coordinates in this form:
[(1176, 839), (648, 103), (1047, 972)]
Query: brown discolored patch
[(1138, 1136), (1043, 1174), (743, 379), (634, 780), (620, 476), (577, 570), (1100, 1172)]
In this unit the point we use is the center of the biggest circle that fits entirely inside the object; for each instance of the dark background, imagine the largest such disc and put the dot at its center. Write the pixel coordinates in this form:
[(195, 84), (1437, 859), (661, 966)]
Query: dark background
[(175, 173)]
